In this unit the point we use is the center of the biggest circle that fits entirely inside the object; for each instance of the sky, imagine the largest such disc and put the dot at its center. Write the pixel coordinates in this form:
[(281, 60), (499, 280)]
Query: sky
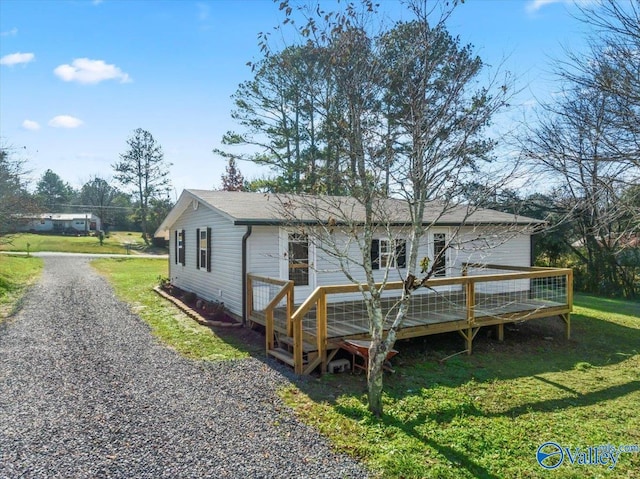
[(78, 76)]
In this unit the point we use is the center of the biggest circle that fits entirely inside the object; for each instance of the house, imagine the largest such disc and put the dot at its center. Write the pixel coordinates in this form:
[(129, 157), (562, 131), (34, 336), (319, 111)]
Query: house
[(60, 223), (217, 237), (265, 257)]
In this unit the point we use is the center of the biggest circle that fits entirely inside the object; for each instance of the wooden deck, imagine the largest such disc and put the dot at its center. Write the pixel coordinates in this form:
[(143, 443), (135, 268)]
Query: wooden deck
[(320, 324)]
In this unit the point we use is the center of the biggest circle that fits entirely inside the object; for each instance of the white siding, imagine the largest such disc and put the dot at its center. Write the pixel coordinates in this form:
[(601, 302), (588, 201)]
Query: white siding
[(263, 251), (495, 247), (224, 281)]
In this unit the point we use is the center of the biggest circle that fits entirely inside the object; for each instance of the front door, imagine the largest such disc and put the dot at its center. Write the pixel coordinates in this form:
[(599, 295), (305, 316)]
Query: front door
[(297, 262)]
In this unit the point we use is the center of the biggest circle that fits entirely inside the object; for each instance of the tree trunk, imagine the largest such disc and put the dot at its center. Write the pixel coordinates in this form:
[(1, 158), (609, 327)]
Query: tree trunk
[(377, 357)]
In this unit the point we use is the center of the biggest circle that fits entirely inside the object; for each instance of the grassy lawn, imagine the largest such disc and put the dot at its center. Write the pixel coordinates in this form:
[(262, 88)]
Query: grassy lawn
[(133, 280), (16, 273), (478, 416), (115, 243), (485, 415)]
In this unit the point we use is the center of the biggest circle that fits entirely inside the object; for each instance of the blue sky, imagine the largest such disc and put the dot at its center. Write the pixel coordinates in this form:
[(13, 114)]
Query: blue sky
[(78, 76)]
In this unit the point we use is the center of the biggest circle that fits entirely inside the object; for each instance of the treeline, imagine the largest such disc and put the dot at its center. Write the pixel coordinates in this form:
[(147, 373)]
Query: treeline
[(119, 202), (347, 112)]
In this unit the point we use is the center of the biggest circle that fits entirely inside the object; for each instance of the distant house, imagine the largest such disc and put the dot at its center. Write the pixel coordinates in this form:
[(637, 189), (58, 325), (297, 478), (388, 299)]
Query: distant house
[(217, 237), (59, 223)]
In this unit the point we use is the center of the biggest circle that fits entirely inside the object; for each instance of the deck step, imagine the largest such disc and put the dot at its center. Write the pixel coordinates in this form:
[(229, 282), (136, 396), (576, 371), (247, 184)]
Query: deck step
[(282, 355), (306, 347)]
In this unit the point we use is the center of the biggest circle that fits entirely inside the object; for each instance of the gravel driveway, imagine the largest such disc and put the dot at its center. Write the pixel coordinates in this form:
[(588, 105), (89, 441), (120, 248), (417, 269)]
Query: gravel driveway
[(86, 391)]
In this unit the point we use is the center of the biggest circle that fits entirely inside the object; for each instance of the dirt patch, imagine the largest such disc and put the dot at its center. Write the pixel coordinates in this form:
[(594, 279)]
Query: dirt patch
[(204, 312)]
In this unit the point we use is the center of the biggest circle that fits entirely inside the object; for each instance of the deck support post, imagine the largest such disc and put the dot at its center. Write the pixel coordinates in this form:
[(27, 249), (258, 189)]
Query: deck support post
[(567, 316), (567, 325), (290, 308), (471, 304), (469, 335), (297, 347), (268, 329), (321, 329), (249, 305), (501, 332)]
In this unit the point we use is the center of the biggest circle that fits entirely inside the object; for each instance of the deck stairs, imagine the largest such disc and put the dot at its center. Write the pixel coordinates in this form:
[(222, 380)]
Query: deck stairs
[(283, 350)]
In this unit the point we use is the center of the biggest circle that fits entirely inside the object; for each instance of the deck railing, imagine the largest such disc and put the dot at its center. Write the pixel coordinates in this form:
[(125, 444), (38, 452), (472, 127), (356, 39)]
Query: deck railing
[(484, 295), (269, 296)]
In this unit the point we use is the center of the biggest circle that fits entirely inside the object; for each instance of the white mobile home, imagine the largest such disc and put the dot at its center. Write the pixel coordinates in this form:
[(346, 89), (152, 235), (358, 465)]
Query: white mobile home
[(217, 237), (61, 223)]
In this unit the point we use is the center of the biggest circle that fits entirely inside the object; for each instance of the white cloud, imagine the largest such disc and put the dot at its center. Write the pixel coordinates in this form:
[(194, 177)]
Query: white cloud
[(203, 11), (534, 5), (84, 70), (65, 121), (16, 58), (30, 125), (9, 33)]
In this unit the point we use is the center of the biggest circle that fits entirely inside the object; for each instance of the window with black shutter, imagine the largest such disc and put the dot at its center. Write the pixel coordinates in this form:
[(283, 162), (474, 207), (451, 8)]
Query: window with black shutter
[(440, 254), (375, 254), (198, 248), (209, 250), (203, 248), (175, 246), (390, 253), (401, 253), (181, 244)]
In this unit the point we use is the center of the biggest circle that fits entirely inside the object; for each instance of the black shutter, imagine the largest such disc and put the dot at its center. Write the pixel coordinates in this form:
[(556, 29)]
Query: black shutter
[(209, 249), (401, 253), (183, 254), (175, 245), (375, 254), (198, 248)]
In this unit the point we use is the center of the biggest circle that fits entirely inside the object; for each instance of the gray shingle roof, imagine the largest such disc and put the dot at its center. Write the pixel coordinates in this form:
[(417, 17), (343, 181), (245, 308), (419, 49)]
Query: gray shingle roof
[(267, 208), (244, 208)]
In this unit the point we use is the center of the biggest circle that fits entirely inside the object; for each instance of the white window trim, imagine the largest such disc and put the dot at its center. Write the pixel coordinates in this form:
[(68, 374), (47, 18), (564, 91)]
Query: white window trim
[(203, 230)]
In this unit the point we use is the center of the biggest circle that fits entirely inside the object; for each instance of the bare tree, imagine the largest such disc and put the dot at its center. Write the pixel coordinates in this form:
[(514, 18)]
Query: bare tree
[(587, 144), (614, 55), (412, 125), (14, 198)]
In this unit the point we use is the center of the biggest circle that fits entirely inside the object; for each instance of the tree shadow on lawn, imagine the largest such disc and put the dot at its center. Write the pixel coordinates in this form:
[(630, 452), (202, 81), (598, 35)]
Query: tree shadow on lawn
[(530, 349)]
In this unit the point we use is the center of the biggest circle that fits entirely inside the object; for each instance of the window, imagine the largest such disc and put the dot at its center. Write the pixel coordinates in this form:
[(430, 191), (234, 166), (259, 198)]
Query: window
[(299, 259), (386, 253), (439, 254), (179, 247), (203, 248)]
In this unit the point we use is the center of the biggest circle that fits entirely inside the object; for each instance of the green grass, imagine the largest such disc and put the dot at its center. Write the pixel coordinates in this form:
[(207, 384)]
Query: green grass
[(485, 415), (133, 280), (16, 273), (115, 243)]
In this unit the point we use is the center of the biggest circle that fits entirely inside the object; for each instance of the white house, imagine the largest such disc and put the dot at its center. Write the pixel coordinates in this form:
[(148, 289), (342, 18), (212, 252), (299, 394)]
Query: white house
[(217, 237), (80, 223)]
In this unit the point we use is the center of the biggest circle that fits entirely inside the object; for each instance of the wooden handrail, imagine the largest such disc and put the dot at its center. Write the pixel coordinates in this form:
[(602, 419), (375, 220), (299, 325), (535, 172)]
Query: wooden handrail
[(278, 297), (507, 267), (308, 304), (319, 297), (435, 282), (267, 279)]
